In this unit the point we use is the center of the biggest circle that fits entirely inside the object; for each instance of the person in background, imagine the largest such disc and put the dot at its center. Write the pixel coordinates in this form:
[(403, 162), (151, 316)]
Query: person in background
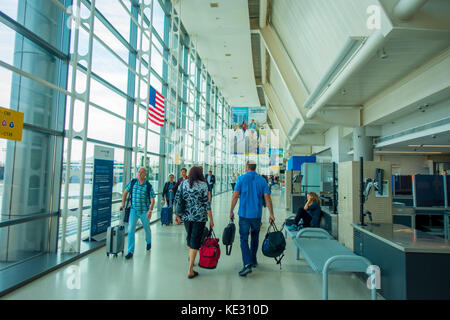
[(250, 190), (168, 194), (211, 179), (194, 191), (142, 203), (310, 213), (233, 181), (180, 180)]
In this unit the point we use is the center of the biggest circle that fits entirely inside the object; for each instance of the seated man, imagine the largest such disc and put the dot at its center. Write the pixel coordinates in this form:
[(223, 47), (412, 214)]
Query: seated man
[(310, 213)]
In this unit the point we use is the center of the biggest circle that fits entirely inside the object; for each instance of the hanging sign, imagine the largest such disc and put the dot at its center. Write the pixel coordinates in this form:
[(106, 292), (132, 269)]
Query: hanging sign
[(11, 124)]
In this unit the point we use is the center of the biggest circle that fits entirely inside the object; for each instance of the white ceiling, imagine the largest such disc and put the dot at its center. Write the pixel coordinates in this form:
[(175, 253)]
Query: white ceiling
[(217, 31)]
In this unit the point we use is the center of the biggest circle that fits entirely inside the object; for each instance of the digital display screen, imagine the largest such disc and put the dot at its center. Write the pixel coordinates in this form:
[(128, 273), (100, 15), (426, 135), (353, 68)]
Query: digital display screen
[(429, 190), (402, 185)]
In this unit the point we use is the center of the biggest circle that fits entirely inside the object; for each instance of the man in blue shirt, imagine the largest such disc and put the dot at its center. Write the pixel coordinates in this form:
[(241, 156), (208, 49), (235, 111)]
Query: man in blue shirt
[(250, 189), (142, 204)]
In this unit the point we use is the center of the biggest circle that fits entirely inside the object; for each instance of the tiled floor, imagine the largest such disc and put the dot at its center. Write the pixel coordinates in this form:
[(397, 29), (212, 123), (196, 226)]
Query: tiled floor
[(162, 272)]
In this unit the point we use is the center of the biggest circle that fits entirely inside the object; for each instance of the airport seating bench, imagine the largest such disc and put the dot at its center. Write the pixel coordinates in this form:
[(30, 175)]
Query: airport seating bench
[(325, 254)]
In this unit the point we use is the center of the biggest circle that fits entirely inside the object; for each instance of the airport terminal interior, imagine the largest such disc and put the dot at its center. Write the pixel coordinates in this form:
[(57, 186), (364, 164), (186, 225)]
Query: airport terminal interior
[(345, 99)]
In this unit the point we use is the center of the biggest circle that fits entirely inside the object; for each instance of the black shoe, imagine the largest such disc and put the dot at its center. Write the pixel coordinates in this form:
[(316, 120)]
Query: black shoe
[(149, 246), (129, 256), (246, 270), (254, 265)]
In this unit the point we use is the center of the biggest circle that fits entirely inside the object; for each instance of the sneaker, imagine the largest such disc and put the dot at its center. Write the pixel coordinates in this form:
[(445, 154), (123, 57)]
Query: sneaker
[(254, 265), (246, 270), (129, 256), (292, 227), (149, 246)]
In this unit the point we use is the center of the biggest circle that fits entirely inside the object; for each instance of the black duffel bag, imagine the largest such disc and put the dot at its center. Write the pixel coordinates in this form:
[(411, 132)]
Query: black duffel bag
[(274, 244), (228, 236)]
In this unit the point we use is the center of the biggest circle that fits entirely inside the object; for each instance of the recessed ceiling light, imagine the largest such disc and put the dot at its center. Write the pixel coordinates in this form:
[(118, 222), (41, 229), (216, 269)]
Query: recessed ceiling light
[(227, 54), (235, 78), (214, 4), (242, 96)]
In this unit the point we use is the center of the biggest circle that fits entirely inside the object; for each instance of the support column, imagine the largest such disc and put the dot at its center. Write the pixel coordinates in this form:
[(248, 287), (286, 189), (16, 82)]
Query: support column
[(362, 145)]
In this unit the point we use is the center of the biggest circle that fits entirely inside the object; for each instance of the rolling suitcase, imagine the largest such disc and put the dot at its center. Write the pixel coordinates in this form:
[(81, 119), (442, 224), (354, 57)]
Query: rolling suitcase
[(166, 215), (115, 238)]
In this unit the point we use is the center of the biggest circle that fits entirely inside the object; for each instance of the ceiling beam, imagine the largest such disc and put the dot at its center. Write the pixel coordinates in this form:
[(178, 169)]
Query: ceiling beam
[(286, 68), (276, 107), (309, 140), (345, 117)]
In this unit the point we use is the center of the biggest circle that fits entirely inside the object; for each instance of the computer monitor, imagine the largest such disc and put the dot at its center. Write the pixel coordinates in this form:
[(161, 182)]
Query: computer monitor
[(429, 191), (402, 185)]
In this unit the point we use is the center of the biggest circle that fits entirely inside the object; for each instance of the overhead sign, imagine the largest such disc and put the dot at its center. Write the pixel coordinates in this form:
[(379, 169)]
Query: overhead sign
[(102, 187), (11, 124), (248, 134)]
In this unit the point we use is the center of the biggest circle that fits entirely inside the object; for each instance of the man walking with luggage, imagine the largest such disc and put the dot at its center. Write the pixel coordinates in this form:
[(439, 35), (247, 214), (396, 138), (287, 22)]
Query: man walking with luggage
[(142, 203), (211, 180), (250, 190)]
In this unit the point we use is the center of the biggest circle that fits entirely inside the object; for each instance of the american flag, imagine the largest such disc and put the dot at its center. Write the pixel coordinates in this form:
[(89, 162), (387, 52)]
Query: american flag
[(156, 109)]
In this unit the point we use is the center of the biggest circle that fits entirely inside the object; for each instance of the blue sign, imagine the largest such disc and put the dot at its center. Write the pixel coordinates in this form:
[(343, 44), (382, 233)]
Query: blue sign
[(102, 190)]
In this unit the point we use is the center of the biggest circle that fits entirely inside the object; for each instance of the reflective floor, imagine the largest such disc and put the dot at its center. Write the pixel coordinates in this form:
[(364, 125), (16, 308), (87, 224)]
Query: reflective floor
[(161, 273)]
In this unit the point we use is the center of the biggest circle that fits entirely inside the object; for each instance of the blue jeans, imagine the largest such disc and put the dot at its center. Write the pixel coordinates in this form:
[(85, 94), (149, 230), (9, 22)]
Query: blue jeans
[(249, 227), (134, 216)]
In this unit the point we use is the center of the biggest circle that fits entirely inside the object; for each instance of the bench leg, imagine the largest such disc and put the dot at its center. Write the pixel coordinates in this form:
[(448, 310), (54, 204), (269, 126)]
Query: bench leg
[(325, 285), (298, 254)]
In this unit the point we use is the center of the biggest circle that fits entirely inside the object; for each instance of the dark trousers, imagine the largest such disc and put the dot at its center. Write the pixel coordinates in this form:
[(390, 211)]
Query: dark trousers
[(211, 188), (249, 227), (302, 214)]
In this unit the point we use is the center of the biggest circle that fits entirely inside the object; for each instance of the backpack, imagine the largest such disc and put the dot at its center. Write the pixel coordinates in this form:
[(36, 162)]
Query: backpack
[(228, 237), (209, 252), (274, 244)]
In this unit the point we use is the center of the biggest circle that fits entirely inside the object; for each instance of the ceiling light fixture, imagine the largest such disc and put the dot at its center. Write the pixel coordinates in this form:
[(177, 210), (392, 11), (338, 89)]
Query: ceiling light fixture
[(235, 78), (214, 4), (227, 54)]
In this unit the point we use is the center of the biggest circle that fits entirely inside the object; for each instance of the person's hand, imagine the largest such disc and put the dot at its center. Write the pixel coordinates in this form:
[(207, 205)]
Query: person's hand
[(231, 215), (211, 224), (271, 219), (163, 199), (177, 219), (149, 214), (170, 190), (121, 208)]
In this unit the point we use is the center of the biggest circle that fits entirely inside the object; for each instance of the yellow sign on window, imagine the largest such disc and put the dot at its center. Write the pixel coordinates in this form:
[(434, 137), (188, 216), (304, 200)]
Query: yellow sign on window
[(11, 124)]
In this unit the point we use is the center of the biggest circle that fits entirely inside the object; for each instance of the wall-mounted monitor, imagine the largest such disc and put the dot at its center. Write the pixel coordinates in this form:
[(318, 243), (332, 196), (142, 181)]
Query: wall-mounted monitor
[(428, 191), (402, 185)]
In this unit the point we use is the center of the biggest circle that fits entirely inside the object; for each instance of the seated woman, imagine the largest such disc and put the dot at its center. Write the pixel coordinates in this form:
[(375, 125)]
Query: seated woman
[(310, 213)]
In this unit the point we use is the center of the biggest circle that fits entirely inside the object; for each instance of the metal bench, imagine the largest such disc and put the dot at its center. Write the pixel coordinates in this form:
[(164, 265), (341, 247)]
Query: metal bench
[(324, 254)]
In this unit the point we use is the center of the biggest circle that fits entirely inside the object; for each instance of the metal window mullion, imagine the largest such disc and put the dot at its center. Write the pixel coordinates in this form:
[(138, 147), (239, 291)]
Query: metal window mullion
[(86, 118), (74, 64), (138, 96), (147, 100)]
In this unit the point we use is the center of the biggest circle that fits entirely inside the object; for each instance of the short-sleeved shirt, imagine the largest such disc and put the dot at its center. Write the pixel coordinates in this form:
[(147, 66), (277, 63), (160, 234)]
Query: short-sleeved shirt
[(252, 188), (140, 202), (197, 203)]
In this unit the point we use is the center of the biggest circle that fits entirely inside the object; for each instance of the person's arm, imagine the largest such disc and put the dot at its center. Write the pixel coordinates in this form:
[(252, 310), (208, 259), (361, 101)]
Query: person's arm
[(308, 203), (234, 200), (124, 198), (269, 205), (152, 203)]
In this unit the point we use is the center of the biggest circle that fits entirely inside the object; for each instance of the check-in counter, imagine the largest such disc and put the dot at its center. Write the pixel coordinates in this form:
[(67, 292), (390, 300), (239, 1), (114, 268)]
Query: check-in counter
[(413, 264)]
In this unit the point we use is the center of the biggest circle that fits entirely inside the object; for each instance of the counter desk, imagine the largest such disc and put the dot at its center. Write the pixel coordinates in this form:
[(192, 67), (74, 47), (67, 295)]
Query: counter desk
[(414, 264)]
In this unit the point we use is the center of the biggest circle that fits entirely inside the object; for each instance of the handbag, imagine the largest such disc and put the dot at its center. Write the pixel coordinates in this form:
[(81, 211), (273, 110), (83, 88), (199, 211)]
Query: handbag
[(209, 252), (228, 237), (274, 244)]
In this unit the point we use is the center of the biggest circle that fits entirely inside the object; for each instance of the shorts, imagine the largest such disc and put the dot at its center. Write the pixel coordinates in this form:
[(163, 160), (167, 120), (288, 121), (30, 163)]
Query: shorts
[(194, 234)]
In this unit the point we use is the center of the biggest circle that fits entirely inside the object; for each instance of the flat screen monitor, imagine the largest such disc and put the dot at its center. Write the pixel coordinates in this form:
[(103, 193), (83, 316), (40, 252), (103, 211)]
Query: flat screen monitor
[(429, 191), (402, 185)]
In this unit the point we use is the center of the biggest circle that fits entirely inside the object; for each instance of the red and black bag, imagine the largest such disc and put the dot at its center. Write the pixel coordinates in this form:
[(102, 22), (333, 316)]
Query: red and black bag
[(209, 252)]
